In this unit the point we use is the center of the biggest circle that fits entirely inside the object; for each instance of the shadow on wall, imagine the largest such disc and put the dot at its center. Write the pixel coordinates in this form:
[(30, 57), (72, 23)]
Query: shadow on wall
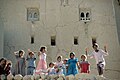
[(117, 16)]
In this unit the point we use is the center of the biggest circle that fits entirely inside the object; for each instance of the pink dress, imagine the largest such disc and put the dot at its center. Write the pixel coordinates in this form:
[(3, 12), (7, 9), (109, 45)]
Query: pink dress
[(42, 65)]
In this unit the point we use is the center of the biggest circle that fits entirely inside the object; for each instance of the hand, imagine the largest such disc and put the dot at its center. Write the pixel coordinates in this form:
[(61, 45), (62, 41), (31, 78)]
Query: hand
[(29, 50), (105, 48), (38, 53), (86, 50)]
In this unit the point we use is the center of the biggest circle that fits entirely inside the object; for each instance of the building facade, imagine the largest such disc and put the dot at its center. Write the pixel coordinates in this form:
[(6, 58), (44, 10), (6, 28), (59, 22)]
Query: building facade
[(63, 26)]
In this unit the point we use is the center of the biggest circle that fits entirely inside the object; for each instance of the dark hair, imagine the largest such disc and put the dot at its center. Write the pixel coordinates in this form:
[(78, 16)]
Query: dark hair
[(21, 51), (2, 59), (30, 53), (59, 57), (95, 44), (72, 53), (41, 49), (51, 64)]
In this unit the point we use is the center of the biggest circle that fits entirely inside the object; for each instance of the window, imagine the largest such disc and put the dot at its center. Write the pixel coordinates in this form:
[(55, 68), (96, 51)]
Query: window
[(53, 40), (94, 40), (32, 14), (32, 40), (75, 40), (82, 16), (85, 14), (64, 3)]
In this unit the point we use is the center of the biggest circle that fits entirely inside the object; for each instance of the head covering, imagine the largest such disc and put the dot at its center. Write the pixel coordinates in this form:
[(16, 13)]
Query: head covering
[(95, 44), (72, 53), (84, 56)]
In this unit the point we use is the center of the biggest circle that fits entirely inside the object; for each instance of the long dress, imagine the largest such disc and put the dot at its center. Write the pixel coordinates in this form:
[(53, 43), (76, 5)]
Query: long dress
[(20, 66), (72, 66), (42, 65)]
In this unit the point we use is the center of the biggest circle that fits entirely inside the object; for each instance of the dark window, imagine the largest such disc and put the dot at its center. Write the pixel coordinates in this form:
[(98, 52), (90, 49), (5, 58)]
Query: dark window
[(53, 40), (87, 16), (32, 39), (75, 40), (35, 15), (82, 16)]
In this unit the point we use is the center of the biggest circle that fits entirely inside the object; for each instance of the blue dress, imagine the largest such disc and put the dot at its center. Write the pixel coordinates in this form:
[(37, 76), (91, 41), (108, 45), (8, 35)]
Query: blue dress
[(72, 66)]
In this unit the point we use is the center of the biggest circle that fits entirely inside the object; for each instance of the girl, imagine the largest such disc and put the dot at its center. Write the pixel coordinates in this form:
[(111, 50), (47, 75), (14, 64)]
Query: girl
[(99, 54), (73, 64), (59, 65), (21, 63), (51, 70), (65, 66), (42, 65), (31, 63), (84, 64)]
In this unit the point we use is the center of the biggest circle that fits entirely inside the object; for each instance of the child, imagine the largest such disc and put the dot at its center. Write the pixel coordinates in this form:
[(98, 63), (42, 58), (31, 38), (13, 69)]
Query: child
[(51, 70), (65, 66), (42, 65), (8, 67), (98, 55), (21, 63), (31, 63), (5, 68), (84, 64), (59, 65), (73, 64)]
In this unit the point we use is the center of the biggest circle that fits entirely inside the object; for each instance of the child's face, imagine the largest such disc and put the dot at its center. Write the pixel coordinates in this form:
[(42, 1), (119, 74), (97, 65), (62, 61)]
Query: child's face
[(51, 65), (21, 54), (72, 56), (31, 55), (3, 62), (65, 61), (95, 47), (83, 57), (59, 59), (43, 51)]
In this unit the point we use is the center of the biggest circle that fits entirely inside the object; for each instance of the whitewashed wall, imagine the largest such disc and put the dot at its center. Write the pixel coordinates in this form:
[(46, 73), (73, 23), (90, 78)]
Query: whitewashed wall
[(1, 33), (63, 22)]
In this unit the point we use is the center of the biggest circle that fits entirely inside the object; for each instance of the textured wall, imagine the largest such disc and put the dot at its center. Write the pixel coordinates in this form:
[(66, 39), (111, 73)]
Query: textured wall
[(117, 13), (62, 22), (1, 39), (1, 33)]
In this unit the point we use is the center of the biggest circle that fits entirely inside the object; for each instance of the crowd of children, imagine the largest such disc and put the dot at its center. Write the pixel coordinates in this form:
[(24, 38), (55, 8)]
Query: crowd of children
[(65, 67)]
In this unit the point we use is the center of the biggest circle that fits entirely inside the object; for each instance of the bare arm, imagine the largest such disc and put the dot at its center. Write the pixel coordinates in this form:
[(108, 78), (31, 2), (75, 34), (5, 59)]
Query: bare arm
[(39, 53), (78, 64), (105, 51)]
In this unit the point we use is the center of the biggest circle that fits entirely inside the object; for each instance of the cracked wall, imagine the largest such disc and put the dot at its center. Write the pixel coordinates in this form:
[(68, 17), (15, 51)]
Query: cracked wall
[(62, 22)]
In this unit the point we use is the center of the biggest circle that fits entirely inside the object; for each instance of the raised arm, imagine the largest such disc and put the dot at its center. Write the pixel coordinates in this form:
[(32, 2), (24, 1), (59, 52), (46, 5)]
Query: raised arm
[(105, 52), (16, 53)]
